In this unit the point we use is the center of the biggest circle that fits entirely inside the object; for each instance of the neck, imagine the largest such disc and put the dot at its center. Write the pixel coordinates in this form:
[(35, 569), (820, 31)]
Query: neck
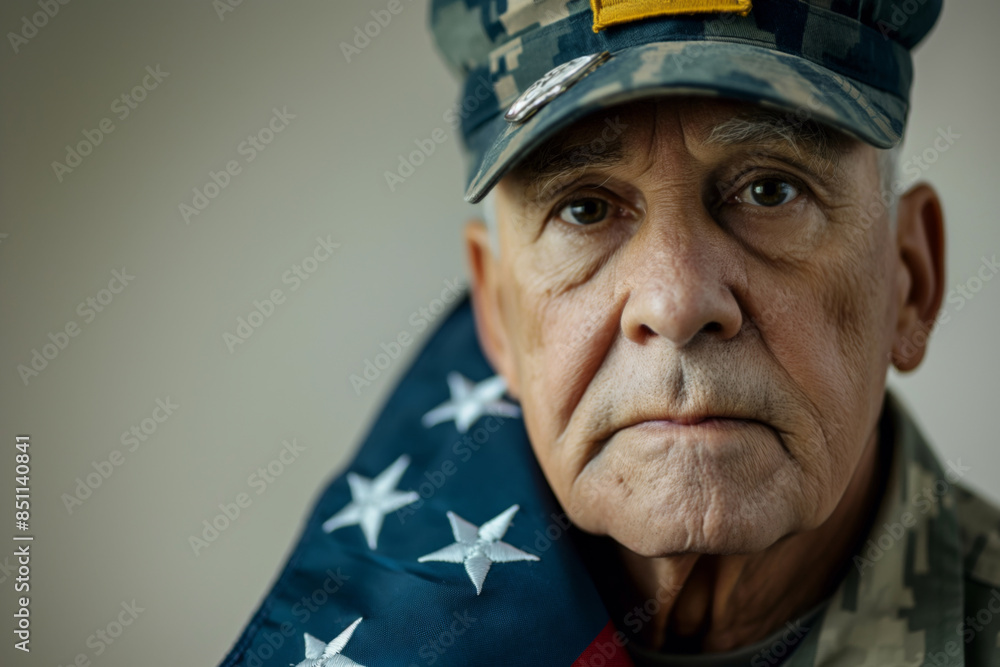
[(697, 603)]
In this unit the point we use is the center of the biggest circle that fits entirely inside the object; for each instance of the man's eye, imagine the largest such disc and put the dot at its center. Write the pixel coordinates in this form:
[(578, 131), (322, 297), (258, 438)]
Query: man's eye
[(768, 192), (585, 211)]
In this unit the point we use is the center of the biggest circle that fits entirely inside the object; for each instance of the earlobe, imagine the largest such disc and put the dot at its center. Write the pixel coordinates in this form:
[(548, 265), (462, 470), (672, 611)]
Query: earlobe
[(921, 276), (484, 290)]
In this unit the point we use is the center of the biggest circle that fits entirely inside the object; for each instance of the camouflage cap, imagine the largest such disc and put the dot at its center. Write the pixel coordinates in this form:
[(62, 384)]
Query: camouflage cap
[(532, 67)]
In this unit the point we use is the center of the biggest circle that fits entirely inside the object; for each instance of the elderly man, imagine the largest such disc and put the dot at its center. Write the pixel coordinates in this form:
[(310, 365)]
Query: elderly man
[(695, 270)]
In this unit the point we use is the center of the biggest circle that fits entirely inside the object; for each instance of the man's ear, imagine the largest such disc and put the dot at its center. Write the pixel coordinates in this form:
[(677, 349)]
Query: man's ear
[(921, 278), (484, 272)]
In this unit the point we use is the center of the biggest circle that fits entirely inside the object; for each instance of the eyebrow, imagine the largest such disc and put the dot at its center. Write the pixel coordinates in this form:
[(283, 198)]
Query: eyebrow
[(561, 157), (769, 128)]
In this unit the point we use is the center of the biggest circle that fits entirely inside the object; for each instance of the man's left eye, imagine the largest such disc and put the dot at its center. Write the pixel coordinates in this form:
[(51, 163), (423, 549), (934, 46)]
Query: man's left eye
[(768, 192), (585, 211)]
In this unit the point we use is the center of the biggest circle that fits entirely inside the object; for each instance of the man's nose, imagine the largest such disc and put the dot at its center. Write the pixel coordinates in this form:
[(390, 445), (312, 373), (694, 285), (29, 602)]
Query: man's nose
[(678, 285)]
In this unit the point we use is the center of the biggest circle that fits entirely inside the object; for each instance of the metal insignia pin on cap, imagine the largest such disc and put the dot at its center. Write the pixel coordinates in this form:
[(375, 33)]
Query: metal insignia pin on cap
[(848, 62), (552, 84)]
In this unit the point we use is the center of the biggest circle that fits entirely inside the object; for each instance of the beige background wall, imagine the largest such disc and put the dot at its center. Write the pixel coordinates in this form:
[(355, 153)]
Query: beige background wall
[(162, 335)]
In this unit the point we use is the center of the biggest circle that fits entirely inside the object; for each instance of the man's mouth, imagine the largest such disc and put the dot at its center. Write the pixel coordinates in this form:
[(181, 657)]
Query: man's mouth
[(693, 422), (690, 421), (707, 421)]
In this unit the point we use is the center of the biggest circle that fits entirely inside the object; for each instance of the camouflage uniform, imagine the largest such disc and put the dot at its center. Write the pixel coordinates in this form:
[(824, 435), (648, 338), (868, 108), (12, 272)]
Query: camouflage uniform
[(925, 586), (925, 589), (922, 586)]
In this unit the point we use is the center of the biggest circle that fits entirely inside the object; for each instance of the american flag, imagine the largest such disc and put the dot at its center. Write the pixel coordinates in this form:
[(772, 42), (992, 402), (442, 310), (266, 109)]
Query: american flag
[(441, 544)]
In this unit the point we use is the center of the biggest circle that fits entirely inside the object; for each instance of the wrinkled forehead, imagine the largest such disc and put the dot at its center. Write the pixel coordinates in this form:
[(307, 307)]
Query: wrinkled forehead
[(695, 115), (615, 135)]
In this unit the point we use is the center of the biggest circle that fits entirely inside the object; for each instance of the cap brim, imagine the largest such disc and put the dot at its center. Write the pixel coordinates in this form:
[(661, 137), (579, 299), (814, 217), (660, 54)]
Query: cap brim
[(703, 67)]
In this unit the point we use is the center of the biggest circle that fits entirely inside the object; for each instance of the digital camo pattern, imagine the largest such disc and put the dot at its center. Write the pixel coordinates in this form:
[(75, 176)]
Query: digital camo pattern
[(979, 528), (925, 586), (734, 70), (812, 57)]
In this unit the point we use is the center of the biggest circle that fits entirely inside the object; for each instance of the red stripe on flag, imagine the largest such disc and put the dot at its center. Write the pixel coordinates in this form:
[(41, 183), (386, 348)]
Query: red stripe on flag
[(607, 650)]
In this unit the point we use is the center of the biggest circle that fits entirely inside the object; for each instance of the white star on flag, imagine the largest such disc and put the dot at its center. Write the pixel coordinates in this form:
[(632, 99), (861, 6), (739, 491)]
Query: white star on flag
[(371, 500), (321, 654), (478, 547), (470, 401)]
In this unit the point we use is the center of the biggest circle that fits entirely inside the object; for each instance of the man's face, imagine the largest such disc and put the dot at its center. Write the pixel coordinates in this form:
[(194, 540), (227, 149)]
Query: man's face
[(697, 326)]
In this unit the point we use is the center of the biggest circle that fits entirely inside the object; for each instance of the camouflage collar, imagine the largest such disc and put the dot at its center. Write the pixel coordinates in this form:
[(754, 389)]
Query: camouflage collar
[(903, 599)]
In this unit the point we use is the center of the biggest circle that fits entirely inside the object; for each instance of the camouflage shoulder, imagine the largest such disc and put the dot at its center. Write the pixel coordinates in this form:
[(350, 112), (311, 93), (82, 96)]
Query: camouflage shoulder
[(979, 526)]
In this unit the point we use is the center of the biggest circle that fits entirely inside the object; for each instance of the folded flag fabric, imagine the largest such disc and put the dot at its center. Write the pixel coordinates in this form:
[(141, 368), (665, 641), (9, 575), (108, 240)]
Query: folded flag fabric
[(440, 545)]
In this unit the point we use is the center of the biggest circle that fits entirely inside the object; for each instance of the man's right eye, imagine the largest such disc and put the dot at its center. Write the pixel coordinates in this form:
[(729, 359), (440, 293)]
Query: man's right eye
[(585, 211)]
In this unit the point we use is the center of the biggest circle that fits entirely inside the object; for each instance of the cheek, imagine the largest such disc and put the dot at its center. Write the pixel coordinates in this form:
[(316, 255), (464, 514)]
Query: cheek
[(855, 303), (561, 337), (830, 341)]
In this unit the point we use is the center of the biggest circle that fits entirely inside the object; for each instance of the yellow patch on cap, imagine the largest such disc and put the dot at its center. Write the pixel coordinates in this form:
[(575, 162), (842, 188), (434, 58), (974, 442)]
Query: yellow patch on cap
[(613, 12)]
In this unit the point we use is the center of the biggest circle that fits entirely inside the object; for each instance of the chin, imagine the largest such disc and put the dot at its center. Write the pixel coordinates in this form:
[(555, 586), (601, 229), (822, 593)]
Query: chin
[(688, 513), (664, 534), (660, 494)]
